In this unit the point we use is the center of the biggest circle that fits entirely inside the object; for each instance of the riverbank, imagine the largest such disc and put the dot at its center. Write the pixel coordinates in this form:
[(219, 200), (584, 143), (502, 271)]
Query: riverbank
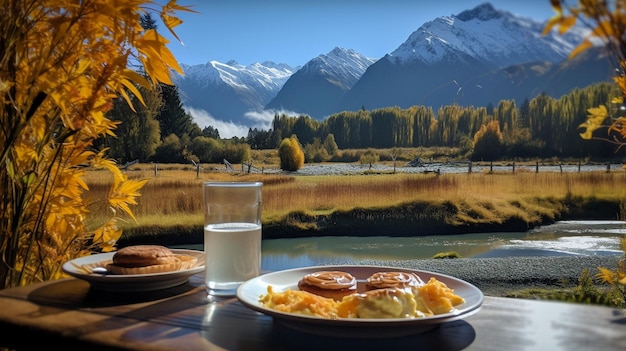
[(407, 220)]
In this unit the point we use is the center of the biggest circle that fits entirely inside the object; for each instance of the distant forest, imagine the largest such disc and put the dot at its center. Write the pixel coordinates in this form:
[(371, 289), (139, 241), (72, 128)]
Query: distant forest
[(543, 127)]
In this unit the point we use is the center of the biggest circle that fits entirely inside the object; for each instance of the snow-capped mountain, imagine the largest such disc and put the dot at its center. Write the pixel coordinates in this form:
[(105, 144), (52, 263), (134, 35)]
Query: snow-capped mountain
[(320, 84), (492, 37), (228, 90), (445, 61), (478, 57)]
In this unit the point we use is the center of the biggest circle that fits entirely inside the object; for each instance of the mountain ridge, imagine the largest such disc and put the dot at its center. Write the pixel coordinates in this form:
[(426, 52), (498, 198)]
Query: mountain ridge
[(479, 56)]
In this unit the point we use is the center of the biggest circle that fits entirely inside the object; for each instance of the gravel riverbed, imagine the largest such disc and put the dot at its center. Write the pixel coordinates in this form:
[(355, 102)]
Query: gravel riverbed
[(499, 276), (340, 168)]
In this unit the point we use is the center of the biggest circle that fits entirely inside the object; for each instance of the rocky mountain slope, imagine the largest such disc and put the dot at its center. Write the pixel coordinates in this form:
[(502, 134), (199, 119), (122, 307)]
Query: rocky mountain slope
[(480, 56)]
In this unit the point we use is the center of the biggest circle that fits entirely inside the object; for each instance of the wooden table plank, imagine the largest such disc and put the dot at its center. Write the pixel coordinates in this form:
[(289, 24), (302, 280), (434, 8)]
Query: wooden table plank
[(68, 313)]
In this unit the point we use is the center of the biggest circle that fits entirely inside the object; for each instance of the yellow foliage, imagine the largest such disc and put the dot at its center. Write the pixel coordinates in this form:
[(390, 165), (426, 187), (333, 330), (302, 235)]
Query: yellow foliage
[(291, 154), (595, 120), (607, 23), (61, 65)]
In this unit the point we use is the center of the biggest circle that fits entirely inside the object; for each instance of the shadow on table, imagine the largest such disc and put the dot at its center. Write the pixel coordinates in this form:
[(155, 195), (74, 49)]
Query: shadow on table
[(256, 331), (455, 335), (184, 313), (77, 293)]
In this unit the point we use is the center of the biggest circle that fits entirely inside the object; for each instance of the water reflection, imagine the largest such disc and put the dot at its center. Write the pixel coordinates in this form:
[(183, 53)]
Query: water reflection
[(562, 238)]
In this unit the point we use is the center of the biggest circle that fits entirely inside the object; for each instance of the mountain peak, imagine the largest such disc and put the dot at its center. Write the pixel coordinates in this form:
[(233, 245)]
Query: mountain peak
[(482, 12), (322, 81), (339, 62), (339, 51), (494, 38)]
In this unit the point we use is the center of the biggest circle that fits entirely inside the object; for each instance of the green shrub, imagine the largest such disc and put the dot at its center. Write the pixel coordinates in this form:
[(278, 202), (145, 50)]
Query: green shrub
[(449, 254)]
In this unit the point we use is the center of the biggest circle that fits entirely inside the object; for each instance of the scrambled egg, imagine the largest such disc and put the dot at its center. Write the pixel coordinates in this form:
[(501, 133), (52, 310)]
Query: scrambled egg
[(429, 299), (381, 303), (302, 302)]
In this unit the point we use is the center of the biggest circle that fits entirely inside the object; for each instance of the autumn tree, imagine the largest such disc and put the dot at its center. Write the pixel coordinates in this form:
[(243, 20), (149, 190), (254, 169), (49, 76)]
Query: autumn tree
[(291, 154), (488, 142), (315, 152), (61, 66), (370, 157), (330, 145)]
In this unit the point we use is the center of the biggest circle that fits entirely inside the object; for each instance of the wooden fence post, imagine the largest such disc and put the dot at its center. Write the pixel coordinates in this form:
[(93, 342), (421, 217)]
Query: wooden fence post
[(155, 169), (513, 166), (536, 166)]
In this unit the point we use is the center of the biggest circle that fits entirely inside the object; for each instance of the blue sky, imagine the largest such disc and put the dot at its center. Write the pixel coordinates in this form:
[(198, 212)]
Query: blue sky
[(296, 31)]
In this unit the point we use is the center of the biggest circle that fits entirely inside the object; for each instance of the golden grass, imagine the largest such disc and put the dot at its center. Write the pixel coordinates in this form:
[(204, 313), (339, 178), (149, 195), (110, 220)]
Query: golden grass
[(174, 196)]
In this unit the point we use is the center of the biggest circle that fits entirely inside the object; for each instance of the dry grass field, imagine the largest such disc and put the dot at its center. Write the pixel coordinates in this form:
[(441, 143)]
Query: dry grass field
[(173, 196)]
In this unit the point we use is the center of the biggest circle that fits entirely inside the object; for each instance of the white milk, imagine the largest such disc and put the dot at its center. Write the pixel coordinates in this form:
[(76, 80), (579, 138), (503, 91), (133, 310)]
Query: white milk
[(233, 254)]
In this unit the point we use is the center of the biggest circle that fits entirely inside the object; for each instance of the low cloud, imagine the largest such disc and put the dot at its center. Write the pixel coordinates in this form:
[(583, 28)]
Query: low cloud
[(227, 129), (261, 120), (265, 118)]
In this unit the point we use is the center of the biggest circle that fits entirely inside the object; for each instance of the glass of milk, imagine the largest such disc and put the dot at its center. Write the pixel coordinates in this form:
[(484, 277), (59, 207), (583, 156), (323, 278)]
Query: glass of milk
[(232, 234)]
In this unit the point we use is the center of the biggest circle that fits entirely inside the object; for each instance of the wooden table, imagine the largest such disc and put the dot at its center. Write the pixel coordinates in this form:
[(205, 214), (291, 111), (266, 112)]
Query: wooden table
[(68, 314)]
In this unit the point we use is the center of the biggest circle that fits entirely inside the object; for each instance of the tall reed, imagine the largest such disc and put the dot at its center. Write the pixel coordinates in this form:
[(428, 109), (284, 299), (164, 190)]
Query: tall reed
[(174, 196)]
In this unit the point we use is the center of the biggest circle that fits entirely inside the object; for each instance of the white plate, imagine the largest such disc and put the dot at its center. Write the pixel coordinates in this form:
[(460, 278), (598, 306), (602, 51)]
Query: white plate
[(250, 291), (131, 282)]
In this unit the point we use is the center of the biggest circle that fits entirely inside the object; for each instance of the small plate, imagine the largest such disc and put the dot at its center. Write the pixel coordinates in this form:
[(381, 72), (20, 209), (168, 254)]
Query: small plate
[(250, 291), (79, 268)]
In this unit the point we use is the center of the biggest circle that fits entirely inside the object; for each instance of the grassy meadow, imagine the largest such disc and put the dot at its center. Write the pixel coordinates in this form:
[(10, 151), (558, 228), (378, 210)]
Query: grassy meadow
[(318, 205)]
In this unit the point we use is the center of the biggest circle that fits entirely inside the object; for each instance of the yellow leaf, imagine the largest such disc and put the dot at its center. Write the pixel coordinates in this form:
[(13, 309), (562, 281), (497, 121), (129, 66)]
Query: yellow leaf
[(173, 6), (586, 44), (124, 95), (618, 126), (5, 86), (597, 115), (157, 59), (124, 193), (133, 89), (556, 5), (595, 120), (136, 78), (605, 275), (566, 24), (107, 235), (553, 21), (171, 22)]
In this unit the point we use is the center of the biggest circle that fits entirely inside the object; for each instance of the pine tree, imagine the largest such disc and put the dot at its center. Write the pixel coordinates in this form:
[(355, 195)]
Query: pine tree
[(173, 117)]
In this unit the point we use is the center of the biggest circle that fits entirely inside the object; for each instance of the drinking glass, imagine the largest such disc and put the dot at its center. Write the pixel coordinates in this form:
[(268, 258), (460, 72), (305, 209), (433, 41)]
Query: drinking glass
[(232, 234)]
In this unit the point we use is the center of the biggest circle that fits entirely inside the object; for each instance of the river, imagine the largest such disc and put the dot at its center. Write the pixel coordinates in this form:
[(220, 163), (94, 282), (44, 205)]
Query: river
[(565, 238)]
